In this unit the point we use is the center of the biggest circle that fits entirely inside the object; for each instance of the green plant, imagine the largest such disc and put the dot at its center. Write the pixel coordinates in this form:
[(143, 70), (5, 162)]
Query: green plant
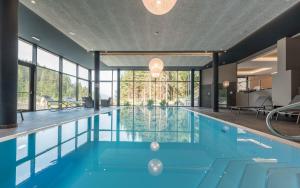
[(126, 103), (150, 103), (163, 103)]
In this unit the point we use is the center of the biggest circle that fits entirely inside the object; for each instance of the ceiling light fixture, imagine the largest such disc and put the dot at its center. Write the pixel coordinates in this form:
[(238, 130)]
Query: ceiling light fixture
[(35, 38), (33, 1), (253, 71), (265, 59), (159, 7), (156, 66), (72, 33)]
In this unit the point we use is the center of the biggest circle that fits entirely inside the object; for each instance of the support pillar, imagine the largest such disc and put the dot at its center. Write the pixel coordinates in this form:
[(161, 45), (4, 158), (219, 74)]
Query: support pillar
[(8, 62), (192, 87), (215, 83), (90, 83), (118, 88), (200, 89), (97, 83)]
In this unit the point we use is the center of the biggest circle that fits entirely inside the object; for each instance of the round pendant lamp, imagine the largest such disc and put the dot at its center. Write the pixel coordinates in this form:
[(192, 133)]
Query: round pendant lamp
[(159, 7)]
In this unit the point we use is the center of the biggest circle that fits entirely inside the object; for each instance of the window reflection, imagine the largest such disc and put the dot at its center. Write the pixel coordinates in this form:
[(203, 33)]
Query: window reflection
[(105, 122), (22, 172), (82, 125), (67, 147), (22, 147), (105, 136), (67, 131), (51, 136), (45, 160), (82, 139)]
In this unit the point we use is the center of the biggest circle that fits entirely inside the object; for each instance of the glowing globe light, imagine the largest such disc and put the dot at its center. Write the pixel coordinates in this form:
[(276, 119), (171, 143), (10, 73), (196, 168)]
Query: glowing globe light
[(156, 66), (154, 146), (159, 7), (155, 167)]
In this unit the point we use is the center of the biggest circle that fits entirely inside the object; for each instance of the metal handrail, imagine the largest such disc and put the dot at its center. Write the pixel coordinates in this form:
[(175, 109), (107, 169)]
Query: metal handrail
[(276, 132)]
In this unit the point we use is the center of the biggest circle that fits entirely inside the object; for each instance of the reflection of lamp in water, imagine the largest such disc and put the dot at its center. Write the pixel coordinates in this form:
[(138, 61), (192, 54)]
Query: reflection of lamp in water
[(225, 129), (154, 146), (155, 167)]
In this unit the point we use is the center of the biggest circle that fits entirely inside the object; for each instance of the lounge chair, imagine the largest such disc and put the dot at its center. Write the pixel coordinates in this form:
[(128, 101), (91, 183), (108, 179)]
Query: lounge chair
[(293, 112), (106, 102), (88, 102), (261, 103)]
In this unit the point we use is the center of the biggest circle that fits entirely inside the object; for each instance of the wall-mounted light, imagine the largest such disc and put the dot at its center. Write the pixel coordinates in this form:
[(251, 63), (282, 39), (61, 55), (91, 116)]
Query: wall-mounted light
[(226, 84), (159, 7)]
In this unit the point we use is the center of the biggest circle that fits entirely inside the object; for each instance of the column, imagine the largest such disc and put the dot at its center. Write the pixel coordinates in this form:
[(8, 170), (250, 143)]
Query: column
[(118, 88), (200, 89), (97, 83), (60, 80), (8, 62), (215, 83), (192, 87), (90, 83)]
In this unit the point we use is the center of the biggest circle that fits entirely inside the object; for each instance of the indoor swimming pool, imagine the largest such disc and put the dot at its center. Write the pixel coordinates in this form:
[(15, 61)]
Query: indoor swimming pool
[(147, 147)]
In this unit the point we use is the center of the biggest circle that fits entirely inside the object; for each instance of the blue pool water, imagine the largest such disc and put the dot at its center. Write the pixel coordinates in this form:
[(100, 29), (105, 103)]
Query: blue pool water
[(140, 147)]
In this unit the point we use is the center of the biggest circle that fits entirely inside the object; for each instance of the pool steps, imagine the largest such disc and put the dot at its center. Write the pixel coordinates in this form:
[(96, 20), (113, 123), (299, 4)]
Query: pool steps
[(246, 173)]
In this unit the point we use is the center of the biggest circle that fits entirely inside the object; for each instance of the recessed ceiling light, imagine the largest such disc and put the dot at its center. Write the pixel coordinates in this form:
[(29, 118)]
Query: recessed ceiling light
[(265, 59), (156, 33), (33, 1), (35, 38), (253, 71), (72, 33)]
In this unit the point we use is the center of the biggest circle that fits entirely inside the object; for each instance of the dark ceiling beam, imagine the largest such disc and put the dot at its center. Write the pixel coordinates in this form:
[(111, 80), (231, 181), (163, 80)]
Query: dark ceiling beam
[(285, 25)]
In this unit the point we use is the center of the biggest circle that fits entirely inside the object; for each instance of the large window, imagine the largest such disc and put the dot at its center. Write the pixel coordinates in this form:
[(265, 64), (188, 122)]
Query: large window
[(47, 79), (196, 88), (83, 73), (69, 81), (49, 70), (83, 89), (47, 60), (69, 88), (108, 85), (47, 87), (23, 87), (25, 51), (69, 67), (171, 88)]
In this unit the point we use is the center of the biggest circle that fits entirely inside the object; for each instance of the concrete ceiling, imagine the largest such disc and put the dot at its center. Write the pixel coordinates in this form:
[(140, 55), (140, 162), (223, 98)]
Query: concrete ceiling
[(126, 25)]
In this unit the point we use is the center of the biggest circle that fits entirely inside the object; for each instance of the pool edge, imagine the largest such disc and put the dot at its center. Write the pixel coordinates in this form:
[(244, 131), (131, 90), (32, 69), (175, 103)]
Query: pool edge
[(260, 133)]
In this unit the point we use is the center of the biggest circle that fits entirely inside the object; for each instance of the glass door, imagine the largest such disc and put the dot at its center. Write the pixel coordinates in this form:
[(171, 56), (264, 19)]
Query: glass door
[(23, 91)]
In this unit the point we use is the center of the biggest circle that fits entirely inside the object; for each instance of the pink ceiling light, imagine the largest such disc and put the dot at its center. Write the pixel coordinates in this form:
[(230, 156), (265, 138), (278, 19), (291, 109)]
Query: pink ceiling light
[(159, 7)]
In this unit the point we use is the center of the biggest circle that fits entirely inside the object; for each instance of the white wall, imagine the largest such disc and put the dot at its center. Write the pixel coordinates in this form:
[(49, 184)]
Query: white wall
[(287, 80)]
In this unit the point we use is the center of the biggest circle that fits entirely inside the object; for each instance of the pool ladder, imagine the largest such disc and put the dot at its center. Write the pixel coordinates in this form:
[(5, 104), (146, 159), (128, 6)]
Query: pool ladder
[(276, 132)]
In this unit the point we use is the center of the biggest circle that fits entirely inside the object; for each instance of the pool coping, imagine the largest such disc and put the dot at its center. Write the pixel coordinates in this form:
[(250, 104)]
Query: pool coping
[(15, 135), (260, 133)]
